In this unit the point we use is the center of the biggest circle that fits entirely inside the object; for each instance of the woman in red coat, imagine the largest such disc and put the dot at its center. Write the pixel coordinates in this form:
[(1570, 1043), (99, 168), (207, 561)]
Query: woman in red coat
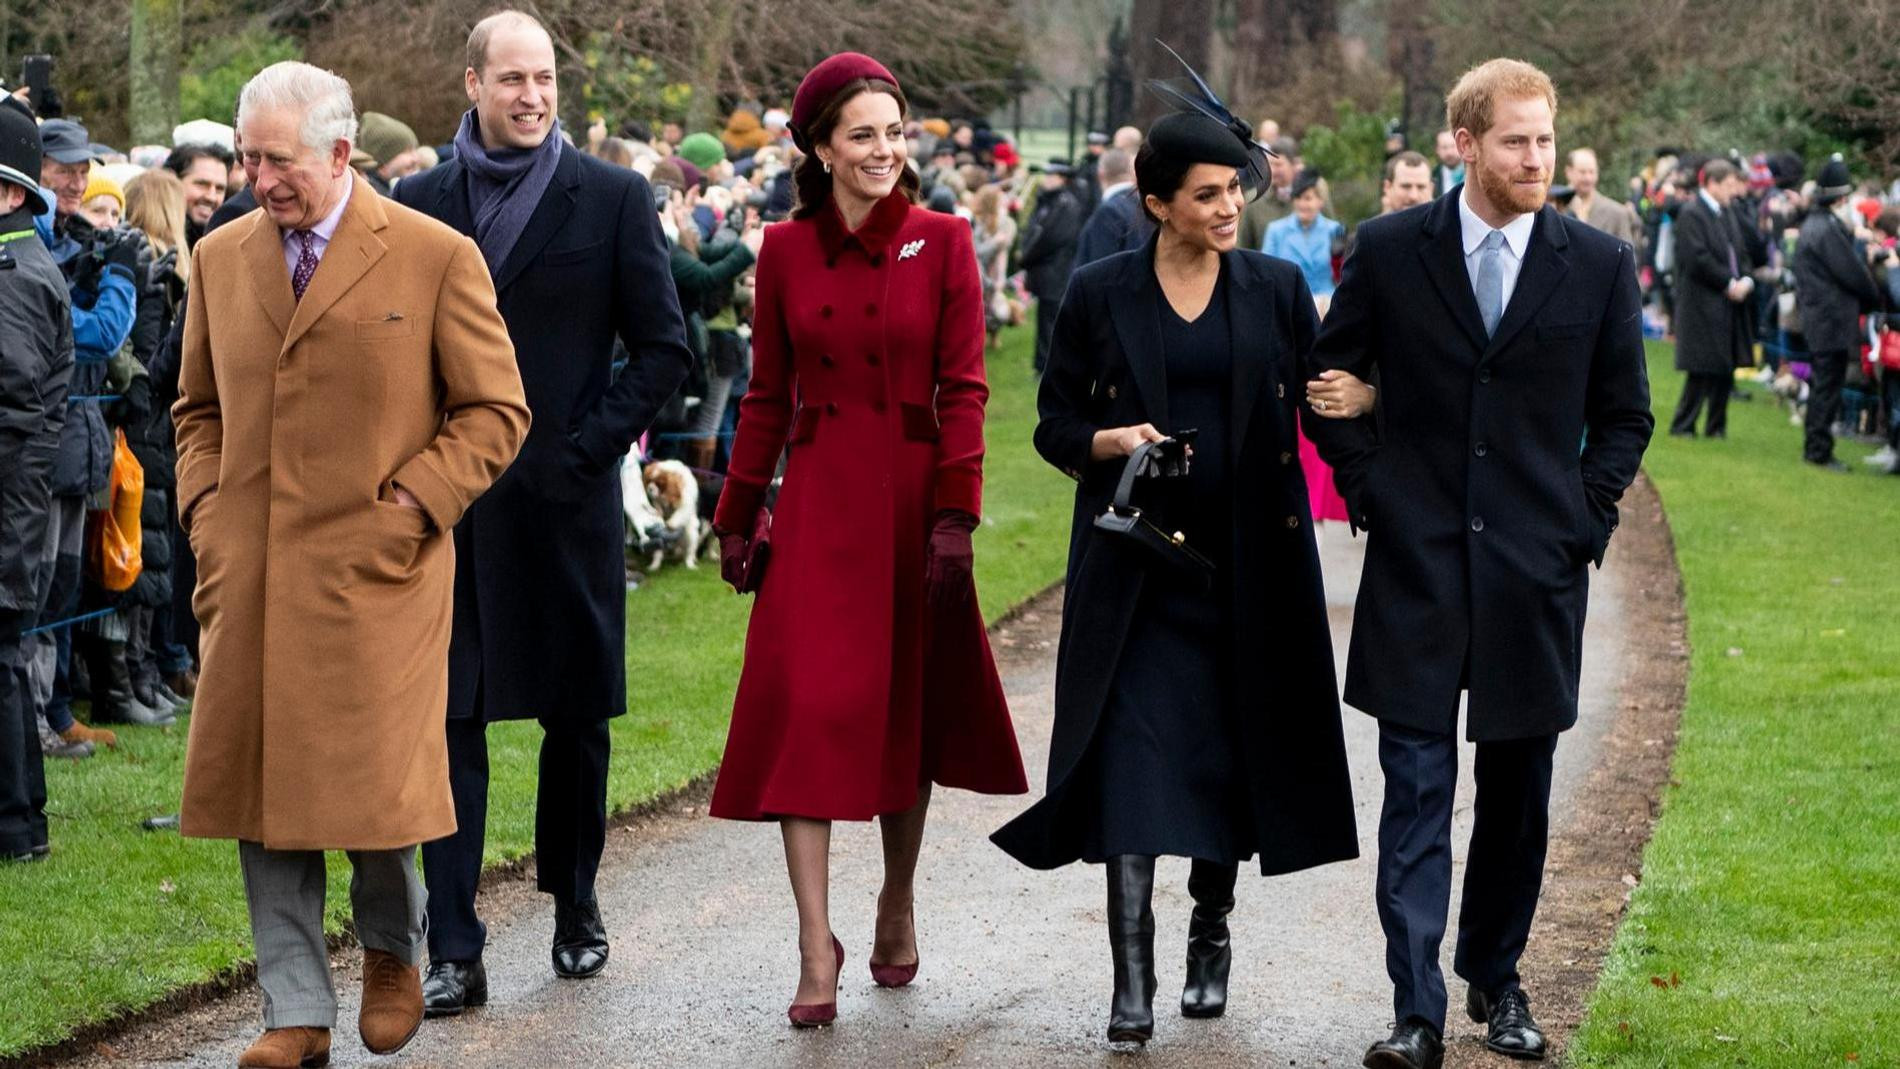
[(868, 676)]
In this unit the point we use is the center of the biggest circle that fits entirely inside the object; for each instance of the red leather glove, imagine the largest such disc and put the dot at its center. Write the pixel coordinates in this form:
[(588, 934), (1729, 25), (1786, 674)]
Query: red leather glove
[(948, 558), (733, 550)]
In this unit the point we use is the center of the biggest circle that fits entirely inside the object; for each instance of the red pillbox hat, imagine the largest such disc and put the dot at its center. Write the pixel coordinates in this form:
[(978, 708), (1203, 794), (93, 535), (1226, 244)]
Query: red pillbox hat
[(823, 82)]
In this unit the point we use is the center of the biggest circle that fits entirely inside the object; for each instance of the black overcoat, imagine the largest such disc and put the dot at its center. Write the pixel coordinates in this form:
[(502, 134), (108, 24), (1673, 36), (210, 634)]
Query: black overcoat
[(1106, 370), (540, 582), (1048, 245), (1832, 285), (1118, 225), (1713, 336), (1483, 512)]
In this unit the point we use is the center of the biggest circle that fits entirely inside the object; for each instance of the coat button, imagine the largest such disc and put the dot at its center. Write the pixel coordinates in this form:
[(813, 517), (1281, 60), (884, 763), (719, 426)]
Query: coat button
[(1292, 523), (1113, 393), (872, 359), (870, 309), (878, 405), (1484, 374), (824, 312), (1481, 449), (831, 408), (1279, 390), (1286, 458), (1477, 523), (878, 260), (831, 262), (827, 361)]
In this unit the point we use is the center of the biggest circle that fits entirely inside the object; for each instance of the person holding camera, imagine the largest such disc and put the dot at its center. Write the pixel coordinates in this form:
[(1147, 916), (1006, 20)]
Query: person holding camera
[(36, 362), (578, 260), (703, 273), (1196, 712), (101, 268)]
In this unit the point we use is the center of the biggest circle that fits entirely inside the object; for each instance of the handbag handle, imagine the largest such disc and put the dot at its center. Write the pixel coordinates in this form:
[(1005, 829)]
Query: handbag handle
[(1125, 490)]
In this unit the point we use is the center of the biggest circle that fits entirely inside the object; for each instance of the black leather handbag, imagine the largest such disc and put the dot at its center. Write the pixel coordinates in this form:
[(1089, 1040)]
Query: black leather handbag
[(1124, 519)]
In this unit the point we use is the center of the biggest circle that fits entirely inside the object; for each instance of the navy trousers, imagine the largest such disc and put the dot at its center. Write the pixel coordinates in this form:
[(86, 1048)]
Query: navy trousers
[(1504, 870), (570, 828)]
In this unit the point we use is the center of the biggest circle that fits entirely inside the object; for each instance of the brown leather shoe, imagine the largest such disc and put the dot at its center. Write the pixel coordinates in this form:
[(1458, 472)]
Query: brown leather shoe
[(392, 1002), (288, 1048), (99, 737), (184, 684)]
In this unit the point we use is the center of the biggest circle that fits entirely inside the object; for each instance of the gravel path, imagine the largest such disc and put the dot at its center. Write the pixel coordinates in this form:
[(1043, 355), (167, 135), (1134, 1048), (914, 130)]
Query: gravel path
[(1015, 965)]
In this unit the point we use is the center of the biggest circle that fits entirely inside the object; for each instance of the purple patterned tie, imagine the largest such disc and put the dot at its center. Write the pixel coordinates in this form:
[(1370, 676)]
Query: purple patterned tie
[(306, 262)]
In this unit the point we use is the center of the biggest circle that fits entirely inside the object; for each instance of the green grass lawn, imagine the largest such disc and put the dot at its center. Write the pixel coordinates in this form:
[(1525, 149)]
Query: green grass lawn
[(119, 917), (1766, 930)]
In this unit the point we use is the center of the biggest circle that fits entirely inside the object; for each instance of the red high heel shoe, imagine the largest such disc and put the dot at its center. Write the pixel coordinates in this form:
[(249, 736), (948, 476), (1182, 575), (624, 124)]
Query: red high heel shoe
[(896, 975), (819, 1013)]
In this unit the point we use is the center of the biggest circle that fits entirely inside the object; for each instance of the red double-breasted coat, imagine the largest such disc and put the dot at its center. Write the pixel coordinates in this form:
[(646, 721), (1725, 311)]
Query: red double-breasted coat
[(868, 361)]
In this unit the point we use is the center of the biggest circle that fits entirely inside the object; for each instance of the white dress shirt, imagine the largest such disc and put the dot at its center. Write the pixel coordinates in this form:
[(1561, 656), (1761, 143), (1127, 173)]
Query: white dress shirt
[(1517, 241)]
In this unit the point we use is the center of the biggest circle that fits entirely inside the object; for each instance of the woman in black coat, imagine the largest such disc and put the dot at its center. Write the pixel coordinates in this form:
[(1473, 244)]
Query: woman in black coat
[(1196, 716)]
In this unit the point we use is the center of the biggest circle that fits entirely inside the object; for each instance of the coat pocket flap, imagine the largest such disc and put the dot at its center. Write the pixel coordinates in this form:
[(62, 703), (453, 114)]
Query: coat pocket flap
[(1565, 331), (920, 422), (390, 326)]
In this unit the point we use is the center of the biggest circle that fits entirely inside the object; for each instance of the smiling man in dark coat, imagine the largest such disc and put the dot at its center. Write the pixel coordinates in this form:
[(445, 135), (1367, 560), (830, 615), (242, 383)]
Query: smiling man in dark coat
[(577, 256), (1504, 334)]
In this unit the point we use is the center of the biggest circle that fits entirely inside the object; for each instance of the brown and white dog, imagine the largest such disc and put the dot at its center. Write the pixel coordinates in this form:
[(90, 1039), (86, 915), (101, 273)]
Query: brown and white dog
[(661, 501)]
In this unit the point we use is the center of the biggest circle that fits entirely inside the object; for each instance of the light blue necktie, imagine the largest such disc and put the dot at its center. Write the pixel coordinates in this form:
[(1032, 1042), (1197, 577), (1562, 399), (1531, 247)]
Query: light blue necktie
[(1491, 281)]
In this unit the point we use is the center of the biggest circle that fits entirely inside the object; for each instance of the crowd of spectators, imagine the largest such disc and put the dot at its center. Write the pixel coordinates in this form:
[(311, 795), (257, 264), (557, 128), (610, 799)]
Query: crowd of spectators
[(1776, 276)]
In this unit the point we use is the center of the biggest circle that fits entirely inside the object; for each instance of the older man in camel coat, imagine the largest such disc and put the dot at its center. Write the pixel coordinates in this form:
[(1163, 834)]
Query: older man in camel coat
[(346, 390)]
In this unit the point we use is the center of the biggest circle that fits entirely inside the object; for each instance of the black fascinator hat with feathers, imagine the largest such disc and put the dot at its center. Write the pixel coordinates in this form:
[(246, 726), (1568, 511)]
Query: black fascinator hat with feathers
[(1216, 135)]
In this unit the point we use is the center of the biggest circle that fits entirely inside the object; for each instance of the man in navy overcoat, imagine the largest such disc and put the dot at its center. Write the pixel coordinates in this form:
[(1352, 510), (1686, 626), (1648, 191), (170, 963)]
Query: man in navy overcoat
[(1505, 336), (578, 259)]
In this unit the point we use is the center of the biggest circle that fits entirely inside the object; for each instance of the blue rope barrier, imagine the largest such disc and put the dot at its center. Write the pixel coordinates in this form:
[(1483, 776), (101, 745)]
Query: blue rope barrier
[(58, 624), (100, 397), (682, 436)]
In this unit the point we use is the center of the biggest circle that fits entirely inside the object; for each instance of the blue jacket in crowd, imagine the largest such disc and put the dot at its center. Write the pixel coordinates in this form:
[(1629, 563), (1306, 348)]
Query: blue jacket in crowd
[(1310, 248), (102, 320)]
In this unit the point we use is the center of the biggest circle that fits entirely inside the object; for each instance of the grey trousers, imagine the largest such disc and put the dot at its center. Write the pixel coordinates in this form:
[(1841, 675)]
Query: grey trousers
[(285, 889)]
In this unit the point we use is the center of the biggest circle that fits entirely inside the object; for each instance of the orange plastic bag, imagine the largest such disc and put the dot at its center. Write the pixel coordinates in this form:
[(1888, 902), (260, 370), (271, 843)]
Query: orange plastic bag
[(112, 543)]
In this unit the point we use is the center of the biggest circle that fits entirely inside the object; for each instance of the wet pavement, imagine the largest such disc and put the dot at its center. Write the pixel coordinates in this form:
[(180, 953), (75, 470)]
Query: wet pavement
[(1015, 968)]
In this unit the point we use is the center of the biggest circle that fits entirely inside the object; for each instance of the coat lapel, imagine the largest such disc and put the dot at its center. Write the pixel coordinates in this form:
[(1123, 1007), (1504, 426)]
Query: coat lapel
[(1543, 271), (451, 199), (1252, 343), (1137, 319), (556, 205), (1444, 255), (353, 250), (263, 250)]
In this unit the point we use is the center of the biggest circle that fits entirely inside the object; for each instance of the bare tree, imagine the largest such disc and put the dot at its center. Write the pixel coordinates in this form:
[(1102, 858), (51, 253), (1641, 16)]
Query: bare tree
[(1187, 26)]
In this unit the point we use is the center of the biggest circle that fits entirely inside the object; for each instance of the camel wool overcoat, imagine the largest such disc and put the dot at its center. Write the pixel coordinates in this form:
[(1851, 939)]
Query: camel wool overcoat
[(324, 605)]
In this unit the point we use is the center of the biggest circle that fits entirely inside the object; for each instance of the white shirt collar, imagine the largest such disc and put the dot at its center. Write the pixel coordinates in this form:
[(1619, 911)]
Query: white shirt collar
[(1713, 204), (1109, 191), (1517, 232)]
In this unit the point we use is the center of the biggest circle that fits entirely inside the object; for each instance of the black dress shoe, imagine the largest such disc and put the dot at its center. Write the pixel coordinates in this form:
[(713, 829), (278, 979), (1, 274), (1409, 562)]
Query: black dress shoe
[(449, 987), (1131, 944), (1834, 464), (1210, 954), (1509, 1030), (1413, 1044), (580, 940)]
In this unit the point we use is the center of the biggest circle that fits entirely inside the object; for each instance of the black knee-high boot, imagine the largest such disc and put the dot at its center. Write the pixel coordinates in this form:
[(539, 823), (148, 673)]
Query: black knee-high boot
[(1210, 952), (1131, 942)]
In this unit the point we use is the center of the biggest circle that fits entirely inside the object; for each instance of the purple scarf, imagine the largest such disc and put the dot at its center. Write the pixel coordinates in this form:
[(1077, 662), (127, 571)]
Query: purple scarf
[(504, 187)]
